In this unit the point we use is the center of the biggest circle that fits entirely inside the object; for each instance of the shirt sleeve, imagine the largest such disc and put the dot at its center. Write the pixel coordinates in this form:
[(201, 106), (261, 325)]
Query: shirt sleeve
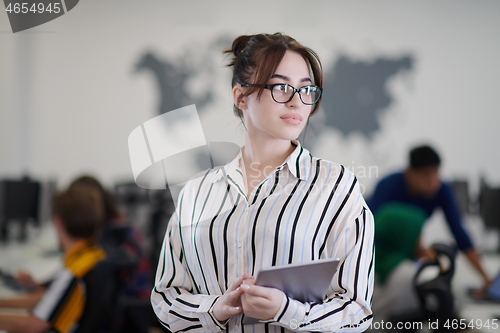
[(172, 298), (453, 217), (62, 303), (347, 307)]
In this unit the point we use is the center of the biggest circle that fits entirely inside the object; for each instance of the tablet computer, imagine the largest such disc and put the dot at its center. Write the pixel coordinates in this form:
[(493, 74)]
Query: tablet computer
[(305, 282)]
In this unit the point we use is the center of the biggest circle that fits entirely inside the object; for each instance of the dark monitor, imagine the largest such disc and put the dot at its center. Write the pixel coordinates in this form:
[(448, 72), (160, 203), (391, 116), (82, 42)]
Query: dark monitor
[(129, 193), (489, 207), (131, 199), (461, 190), (19, 200)]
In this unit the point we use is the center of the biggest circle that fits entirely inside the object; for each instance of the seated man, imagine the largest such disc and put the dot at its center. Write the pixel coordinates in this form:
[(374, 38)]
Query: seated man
[(401, 203), (78, 217)]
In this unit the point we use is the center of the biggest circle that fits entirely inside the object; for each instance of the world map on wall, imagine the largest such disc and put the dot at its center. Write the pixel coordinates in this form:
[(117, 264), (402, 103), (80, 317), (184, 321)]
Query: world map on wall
[(356, 92)]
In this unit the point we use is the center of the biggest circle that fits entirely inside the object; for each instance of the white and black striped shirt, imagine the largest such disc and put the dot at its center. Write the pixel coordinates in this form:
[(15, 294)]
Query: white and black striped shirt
[(306, 209)]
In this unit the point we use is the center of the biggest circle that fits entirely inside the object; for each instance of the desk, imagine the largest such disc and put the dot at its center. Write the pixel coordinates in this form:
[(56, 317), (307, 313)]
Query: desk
[(465, 277), (12, 312), (39, 257)]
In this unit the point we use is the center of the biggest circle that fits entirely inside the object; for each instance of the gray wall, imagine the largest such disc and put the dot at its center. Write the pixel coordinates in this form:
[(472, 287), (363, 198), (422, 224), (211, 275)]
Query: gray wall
[(69, 96)]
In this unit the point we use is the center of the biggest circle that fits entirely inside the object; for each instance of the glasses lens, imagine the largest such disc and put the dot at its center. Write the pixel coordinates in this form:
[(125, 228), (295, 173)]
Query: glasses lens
[(310, 94), (282, 93)]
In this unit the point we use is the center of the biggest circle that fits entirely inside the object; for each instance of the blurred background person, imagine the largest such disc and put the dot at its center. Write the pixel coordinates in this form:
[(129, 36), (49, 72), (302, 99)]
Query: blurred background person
[(117, 229), (78, 218), (402, 202), (116, 233)]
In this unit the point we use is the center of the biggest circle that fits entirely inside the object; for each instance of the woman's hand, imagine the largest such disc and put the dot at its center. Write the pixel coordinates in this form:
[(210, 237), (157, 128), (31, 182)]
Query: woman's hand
[(229, 304), (260, 302)]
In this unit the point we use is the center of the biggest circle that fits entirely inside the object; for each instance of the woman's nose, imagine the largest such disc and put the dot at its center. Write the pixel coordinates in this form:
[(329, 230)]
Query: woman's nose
[(295, 101)]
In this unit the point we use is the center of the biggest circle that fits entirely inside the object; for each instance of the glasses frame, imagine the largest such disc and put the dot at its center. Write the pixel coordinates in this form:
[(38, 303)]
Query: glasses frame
[(271, 87)]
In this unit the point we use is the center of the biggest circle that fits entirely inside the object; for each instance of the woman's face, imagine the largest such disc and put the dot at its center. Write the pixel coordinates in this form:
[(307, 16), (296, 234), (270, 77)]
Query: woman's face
[(265, 118)]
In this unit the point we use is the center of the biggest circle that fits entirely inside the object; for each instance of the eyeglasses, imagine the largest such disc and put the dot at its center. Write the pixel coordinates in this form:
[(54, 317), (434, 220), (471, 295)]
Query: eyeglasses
[(283, 93)]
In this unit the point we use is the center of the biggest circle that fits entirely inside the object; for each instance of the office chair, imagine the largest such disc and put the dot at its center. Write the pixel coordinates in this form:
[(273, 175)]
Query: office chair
[(132, 313), (435, 295), (104, 285)]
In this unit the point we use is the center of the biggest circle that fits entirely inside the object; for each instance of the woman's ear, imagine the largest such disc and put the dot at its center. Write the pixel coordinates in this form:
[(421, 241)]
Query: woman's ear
[(238, 98)]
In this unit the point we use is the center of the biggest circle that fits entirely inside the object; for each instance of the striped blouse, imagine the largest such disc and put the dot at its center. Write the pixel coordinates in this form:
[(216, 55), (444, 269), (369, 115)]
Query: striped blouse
[(306, 209)]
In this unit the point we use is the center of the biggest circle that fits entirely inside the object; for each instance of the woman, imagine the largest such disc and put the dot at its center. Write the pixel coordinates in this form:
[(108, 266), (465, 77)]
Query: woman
[(273, 204)]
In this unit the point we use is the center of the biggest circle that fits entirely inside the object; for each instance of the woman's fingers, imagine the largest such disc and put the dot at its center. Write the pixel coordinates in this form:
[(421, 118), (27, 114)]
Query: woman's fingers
[(232, 310), (255, 290), (261, 302), (234, 295), (236, 283), (230, 303), (249, 281)]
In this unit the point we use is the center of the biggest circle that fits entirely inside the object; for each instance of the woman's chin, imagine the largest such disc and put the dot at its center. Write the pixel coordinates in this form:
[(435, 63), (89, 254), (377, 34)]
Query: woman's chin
[(288, 135), (281, 130)]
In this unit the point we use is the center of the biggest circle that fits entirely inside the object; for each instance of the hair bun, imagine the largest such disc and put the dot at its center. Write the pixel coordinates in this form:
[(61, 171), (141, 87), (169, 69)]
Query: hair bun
[(239, 45)]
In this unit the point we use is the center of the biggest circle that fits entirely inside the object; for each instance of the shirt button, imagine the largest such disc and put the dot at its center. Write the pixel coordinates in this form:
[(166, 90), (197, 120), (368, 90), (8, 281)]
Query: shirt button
[(239, 244), (235, 327)]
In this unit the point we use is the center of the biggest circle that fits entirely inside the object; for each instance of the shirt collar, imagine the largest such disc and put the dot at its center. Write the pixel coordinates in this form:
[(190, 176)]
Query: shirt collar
[(231, 169), (75, 250), (83, 256), (298, 163)]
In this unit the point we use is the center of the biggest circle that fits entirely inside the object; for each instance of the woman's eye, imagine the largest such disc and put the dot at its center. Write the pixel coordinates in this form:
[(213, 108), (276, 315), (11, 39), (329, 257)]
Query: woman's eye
[(306, 90), (281, 87)]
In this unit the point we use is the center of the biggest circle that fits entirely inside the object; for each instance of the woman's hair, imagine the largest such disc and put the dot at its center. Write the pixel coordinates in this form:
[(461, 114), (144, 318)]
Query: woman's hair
[(111, 210), (256, 58)]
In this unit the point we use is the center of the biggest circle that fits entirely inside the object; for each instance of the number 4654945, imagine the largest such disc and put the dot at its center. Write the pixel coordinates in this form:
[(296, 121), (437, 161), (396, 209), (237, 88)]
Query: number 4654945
[(473, 324), (34, 8)]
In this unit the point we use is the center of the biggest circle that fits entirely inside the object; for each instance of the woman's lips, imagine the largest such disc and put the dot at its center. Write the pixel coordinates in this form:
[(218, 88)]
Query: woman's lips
[(293, 119)]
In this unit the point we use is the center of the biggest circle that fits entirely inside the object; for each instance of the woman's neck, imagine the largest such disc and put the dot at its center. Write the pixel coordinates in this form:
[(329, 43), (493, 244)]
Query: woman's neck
[(265, 154)]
